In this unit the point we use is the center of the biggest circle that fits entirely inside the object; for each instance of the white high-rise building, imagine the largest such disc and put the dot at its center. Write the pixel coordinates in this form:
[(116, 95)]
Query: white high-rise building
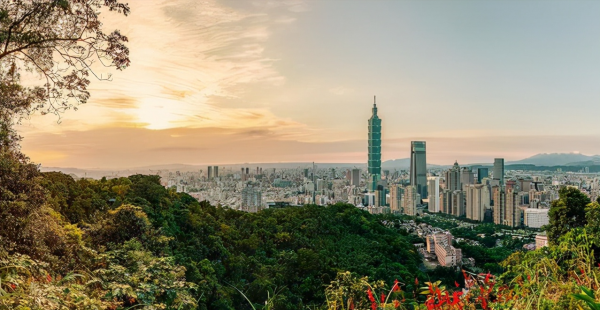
[(478, 200), (535, 218), (433, 188)]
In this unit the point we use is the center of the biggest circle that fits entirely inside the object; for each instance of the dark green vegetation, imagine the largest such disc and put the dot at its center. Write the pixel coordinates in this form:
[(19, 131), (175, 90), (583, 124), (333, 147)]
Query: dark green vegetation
[(292, 252), (566, 213)]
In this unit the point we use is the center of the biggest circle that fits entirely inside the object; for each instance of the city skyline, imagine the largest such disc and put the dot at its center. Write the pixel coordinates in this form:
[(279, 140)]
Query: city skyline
[(288, 82)]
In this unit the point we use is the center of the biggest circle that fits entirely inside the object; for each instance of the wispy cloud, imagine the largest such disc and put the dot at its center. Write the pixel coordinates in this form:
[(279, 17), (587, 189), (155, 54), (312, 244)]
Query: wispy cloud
[(188, 57)]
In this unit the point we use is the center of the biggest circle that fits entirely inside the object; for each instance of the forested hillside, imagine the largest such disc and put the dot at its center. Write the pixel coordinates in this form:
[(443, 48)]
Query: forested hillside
[(119, 229)]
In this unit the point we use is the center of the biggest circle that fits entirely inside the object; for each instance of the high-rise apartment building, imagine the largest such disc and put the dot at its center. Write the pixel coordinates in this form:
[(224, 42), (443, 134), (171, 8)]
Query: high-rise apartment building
[(374, 164), (418, 167), (499, 204), (355, 177), (216, 171), (210, 173), (481, 174), (466, 177), (433, 188), (458, 203), (409, 200), (499, 170), (396, 198), (477, 201), (512, 212), (453, 178), (446, 201), (380, 193)]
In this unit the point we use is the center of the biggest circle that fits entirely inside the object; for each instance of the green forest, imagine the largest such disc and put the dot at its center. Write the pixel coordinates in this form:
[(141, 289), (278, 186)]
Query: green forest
[(157, 246)]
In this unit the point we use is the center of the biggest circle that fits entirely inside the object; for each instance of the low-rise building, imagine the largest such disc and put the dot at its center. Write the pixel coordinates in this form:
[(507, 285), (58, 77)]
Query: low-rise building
[(447, 255), (541, 241)]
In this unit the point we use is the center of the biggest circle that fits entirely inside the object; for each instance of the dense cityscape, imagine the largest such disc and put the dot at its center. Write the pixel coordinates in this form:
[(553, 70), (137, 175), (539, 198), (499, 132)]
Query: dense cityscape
[(485, 193)]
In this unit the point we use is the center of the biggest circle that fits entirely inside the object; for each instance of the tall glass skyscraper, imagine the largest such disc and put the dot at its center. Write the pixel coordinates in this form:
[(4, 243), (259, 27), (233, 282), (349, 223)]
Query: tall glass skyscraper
[(374, 149), (482, 173), (499, 170), (418, 167)]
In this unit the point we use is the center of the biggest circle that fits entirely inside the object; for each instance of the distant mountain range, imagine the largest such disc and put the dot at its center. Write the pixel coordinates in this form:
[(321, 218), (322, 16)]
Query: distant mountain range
[(548, 160), (559, 159)]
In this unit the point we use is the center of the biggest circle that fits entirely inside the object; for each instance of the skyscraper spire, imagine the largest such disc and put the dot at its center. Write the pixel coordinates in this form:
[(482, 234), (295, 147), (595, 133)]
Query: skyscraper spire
[(374, 105)]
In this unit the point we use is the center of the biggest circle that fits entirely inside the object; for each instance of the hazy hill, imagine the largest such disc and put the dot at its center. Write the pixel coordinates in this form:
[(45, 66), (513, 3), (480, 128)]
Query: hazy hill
[(556, 159)]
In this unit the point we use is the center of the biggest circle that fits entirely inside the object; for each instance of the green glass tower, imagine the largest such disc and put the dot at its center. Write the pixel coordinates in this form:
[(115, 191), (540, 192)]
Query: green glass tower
[(374, 167)]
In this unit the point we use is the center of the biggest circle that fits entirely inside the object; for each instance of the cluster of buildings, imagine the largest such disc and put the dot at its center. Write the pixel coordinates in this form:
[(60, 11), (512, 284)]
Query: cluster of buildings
[(475, 193), (438, 244)]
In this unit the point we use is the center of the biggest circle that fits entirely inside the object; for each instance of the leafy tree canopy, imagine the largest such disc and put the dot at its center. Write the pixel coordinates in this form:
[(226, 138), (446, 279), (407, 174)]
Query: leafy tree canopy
[(566, 213), (59, 40)]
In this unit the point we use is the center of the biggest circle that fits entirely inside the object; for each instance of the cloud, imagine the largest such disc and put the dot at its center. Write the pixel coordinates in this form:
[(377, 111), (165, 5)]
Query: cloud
[(188, 57), (285, 20), (340, 90), (117, 102)]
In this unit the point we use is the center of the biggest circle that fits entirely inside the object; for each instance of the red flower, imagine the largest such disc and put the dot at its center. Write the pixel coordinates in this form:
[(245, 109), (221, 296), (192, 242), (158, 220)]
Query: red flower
[(396, 303), (528, 278), (430, 304), (49, 278), (582, 271), (396, 287), (382, 298), (455, 297), (416, 281), (352, 305), (370, 294), (487, 278), (484, 304), (13, 286), (465, 274), (456, 284), (374, 306)]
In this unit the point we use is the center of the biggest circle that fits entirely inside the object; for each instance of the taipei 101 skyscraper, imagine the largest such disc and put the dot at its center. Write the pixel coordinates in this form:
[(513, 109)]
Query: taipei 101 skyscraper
[(374, 149)]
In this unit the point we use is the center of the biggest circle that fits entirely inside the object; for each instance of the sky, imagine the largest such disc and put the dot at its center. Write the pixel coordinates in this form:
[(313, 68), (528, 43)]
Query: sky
[(232, 81)]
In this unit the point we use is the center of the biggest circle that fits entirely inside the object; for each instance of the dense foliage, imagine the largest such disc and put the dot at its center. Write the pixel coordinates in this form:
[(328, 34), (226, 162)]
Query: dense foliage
[(566, 213), (201, 254), (563, 275)]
